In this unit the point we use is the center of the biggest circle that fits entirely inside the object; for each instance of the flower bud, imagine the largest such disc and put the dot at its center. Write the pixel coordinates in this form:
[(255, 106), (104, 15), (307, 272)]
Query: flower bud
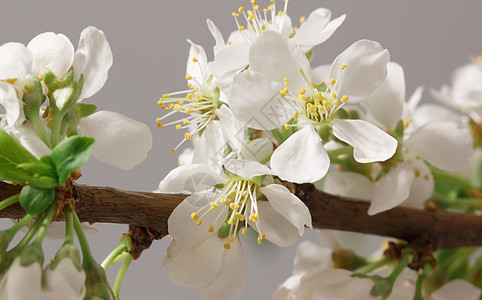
[(21, 281)]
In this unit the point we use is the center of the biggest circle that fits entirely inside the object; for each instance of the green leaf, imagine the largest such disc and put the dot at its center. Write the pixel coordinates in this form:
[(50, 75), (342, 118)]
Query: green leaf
[(71, 154), (35, 200)]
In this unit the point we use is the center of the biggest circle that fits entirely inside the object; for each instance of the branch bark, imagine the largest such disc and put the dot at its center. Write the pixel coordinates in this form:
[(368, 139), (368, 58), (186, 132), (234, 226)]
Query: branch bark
[(150, 210)]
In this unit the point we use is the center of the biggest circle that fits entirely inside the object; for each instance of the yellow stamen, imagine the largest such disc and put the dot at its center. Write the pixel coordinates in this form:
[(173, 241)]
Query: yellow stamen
[(211, 228), (332, 81), (188, 77), (227, 246), (194, 216), (343, 66), (344, 99)]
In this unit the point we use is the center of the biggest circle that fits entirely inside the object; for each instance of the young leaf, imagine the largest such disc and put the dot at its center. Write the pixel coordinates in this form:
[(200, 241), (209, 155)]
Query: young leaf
[(35, 200), (71, 154)]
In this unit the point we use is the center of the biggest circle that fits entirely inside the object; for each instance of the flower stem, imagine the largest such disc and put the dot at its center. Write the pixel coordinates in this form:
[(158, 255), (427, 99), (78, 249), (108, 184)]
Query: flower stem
[(399, 267), (84, 245), (54, 134), (69, 226), (427, 269), (120, 276), (26, 239), (44, 226), (39, 129), (119, 250), (343, 150), (20, 224), (373, 266), (464, 202), (9, 201)]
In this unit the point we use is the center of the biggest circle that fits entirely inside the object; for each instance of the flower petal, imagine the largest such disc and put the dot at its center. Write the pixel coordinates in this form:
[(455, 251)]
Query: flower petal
[(255, 101), (247, 169), (52, 51), (119, 141), (256, 149), (422, 186), (218, 37), (349, 184), (211, 146), (12, 104), (288, 205), (183, 228), (230, 60), (392, 189), (321, 73), (456, 289), (277, 229), (18, 277), (189, 178), (369, 142), (385, 104), (301, 158), (443, 144), (27, 136), (278, 57), (198, 69), (94, 59), (197, 266), (16, 61), (231, 279), (310, 257), (316, 29), (366, 68)]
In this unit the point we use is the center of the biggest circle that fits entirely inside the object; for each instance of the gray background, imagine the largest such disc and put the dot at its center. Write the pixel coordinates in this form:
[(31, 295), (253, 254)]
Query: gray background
[(429, 38)]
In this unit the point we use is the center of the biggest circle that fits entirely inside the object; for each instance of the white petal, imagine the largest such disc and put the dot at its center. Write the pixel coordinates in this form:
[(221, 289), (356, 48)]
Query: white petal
[(288, 205), (257, 149), (278, 57), (231, 279), (385, 104), (230, 60), (119, 141), (428, 113), (255, 101), (349, 184), (183, 228), (443, 144), (277, 229), (18, 277), (422, 185), (316, 29), (247, 169), (310, 257), (337, 284), (234, 132), (321, 73), (301, 158), (64, 282), (456, 289), (218, 37), (211, 146), (369, 142), (12, 104), (16, 61), (189, 178), (94, 59), (366, 68), (198, 70), (52, 51), (392, 189), (283, 25), (197, 266), (27, 136)]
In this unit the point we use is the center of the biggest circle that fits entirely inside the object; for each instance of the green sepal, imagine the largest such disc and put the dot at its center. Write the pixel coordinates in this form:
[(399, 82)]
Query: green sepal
[(209, 81), (321, 87), (341, 114), (67, 251), (32, 254), (71, 154), (354, 114), (347, 259), (384, 171), (33, 99), (325, 131), (224, 230), (63, 93), (215, 94), (258, 179), (231, 175), (35, 200), (310, 54), (398, 131), (96, 283), (83, 110), (382, 286)]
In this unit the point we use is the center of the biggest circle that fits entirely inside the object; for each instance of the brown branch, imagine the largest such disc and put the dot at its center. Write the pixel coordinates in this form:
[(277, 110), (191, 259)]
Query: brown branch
[(150, 210)]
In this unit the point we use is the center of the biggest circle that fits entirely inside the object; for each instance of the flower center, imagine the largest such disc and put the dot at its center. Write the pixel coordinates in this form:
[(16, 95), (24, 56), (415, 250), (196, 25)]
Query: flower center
[(239, 198), (199, 104)]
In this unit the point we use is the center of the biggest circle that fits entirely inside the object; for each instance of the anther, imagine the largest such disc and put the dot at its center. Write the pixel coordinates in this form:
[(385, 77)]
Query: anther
[(188, 77), (343, 66), (332, 81)]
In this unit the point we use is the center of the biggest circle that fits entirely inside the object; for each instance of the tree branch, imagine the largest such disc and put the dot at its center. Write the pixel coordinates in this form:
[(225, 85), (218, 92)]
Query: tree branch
[(150, 210)]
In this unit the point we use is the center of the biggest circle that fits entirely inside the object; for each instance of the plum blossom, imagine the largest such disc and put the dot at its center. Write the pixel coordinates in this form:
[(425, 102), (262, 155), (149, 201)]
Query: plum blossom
[(206, 226), (65, 281), (19, 276), (278, 87)]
